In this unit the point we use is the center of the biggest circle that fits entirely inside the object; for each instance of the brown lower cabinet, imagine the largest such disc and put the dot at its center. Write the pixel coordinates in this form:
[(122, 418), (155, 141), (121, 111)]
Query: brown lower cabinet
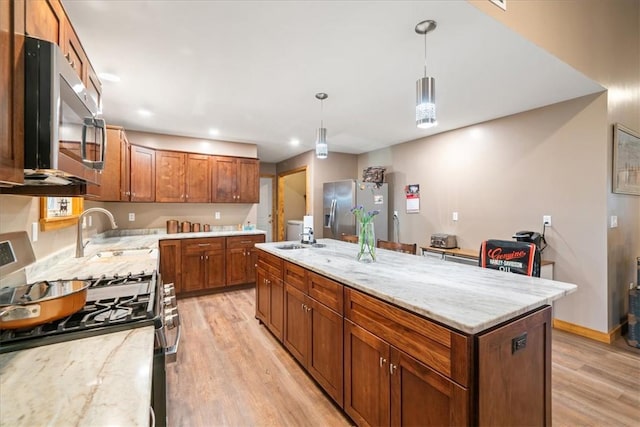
[(198, 265), (270, 293), (313, 331), (387, 366)]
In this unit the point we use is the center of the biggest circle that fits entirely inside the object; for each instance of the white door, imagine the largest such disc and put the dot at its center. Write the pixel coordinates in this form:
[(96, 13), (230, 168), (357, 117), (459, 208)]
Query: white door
[(265, 207)]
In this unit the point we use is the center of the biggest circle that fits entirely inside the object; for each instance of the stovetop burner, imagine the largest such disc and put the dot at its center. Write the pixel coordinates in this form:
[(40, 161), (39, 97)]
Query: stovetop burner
[(113, 304)]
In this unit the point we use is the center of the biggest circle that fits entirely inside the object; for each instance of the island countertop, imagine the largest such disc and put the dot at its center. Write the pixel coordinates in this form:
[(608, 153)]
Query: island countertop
[(467, 298)]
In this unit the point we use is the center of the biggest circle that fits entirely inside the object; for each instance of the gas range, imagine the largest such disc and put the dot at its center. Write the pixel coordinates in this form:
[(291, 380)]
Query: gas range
[(113, 304)]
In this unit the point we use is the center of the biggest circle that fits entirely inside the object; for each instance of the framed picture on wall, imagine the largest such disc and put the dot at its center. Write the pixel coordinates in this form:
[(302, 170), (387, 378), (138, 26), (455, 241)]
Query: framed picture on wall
[(626, 161), (59, 212)]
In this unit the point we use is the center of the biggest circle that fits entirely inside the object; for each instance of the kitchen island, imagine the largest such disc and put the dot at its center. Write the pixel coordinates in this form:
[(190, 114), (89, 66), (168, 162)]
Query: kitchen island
[(420, 340)]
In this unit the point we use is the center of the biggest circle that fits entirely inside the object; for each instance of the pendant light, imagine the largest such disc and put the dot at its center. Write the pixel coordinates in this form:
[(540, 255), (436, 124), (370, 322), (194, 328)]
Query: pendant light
[(322, 149), (426, 86)]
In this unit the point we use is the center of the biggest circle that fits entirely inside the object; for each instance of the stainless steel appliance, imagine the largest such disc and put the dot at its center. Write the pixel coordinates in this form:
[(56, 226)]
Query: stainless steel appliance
[(113, 304), (64, 140), (444, 241), (341, 196)]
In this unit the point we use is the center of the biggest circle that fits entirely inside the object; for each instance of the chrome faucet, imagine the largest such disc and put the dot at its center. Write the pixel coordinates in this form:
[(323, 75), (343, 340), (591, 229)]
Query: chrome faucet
[(79, 244)]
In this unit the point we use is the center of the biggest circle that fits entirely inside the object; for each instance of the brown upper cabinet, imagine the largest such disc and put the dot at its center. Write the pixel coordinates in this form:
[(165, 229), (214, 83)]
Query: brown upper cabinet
[(112, 187), (47, 20), (12, 98), (235, 180), (143, 174), (182, 177)]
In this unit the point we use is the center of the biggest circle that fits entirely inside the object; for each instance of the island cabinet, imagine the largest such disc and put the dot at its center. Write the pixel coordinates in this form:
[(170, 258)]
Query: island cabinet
[(235, 180), (182, 177), (242, 258), (203, 264), (171, 263), (270, 293), (401, 369), (142, 174), (313, 326)]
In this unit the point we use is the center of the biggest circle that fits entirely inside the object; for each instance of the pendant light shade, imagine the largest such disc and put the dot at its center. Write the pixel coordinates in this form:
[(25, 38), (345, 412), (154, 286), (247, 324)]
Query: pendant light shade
[(322, 148), (425, 86), (426, 102)]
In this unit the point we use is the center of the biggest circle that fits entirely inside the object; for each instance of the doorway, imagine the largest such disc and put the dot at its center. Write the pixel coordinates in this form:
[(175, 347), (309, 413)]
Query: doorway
[(292, 200), (265, 207)]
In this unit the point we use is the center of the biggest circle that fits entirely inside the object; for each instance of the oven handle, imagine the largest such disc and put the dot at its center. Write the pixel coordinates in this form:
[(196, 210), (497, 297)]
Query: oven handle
[(172, 351)]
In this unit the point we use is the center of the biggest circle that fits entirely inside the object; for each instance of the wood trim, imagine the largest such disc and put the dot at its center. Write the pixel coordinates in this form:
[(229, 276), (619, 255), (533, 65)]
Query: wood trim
[(280, 198), (605, 337)]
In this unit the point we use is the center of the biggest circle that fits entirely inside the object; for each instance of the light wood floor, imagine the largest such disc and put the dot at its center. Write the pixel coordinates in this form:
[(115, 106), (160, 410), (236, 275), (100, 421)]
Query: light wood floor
[(231, 371)]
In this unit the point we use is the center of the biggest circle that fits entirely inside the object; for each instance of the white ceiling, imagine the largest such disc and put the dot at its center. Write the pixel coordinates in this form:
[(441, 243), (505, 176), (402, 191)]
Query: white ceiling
[(251, 69)]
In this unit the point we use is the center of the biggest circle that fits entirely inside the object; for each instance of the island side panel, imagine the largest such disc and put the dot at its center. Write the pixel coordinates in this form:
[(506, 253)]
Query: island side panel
[(514, 372)]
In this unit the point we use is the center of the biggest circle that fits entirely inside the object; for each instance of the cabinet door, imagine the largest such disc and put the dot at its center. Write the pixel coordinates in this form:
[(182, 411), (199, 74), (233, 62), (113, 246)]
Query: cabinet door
[(223, 179), (214, 268), (253, 261), (125, 168), (198, 179), (170, 176), (366, 375), (45, 20), (94, 86), (325, 355), (296, 324), (171, 263), (421, 396), (74, 53), (262, 296), (11, 96), (192, 270), (110, 187), (237, 258), (276, 307), (143, 174), (248, 181)]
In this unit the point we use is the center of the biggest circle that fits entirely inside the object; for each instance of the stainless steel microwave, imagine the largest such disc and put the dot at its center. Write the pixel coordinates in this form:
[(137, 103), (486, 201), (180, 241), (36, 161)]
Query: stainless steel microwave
[(64, 140)]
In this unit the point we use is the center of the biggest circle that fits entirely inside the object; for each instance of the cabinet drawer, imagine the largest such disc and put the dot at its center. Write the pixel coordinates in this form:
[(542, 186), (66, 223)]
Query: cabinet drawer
[(198, 245), (295, 276), (438, 347), (270, 263), (243, 241), (326, 291)]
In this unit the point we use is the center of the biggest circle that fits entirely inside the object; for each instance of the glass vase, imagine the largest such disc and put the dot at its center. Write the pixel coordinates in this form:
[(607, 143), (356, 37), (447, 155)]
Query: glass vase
[(367, 243)]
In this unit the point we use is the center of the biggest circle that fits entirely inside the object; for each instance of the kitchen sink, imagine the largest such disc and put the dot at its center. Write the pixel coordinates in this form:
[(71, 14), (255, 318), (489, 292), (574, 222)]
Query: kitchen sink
[(318, 245), (291, 246), (133, 252)]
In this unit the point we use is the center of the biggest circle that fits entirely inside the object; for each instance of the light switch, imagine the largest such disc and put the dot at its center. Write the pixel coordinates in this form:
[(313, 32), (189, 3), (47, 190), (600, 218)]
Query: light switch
[(614, 221), (455, 216)]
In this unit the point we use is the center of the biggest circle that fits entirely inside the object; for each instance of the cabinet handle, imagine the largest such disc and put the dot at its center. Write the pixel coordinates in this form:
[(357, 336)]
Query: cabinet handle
[(382, 361), (308, 308), (201, 257), (392, 368), (204, 244), (206, 257), (302, 306)]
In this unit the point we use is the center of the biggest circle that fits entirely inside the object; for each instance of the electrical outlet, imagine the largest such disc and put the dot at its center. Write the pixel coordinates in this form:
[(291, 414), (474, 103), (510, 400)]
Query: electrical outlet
[(454, 216), (132, 216), (34, 231), (614, 221), (546, 219), (217, 215)]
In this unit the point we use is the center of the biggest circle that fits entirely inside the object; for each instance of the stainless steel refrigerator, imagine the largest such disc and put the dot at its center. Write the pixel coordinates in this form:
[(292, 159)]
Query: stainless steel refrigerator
[(341, 196)]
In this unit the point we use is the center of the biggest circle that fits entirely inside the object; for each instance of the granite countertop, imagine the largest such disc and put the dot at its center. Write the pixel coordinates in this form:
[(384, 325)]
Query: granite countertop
[(100, 380), (467, 298), (97, 381), (63, 264)]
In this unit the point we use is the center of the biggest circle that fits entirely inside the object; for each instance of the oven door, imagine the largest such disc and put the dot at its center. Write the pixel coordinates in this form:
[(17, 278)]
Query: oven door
[(165, 352)]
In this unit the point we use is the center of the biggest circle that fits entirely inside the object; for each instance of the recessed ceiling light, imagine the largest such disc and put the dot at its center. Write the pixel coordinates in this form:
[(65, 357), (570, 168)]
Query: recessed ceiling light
[(295, 142), (145, 113), (108, 77), (213, 132)]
